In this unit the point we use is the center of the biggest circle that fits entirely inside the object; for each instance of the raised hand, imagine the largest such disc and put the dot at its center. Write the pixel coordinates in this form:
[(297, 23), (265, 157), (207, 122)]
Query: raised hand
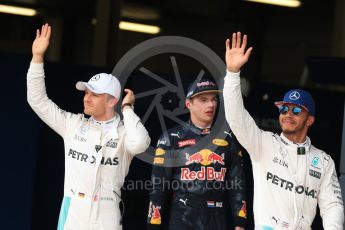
[(236, 55), (129, 98), (41, 43)]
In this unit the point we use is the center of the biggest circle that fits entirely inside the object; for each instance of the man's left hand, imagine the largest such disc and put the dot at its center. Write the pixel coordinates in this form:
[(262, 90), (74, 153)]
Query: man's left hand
[(129, 98), (236, 54)]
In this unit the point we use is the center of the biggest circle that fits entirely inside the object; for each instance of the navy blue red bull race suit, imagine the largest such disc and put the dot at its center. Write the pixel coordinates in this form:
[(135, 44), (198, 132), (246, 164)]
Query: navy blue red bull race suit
[(197, 185)]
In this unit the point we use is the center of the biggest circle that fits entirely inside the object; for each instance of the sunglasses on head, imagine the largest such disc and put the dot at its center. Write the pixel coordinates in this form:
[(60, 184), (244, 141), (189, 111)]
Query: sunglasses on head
[(295, 110)]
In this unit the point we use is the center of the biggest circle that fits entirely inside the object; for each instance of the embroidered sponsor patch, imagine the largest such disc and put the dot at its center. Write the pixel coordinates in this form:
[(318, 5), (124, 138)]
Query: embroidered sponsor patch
[(210, 204), (290, 186), (220, 142), (205, 157), (315, 161), (154, 214), (205, 131), (219, 204), (111, 144), (314, 173), (186, 143), (162, 142), (205, 173), (160, 152), (243, 211), (158, 160)]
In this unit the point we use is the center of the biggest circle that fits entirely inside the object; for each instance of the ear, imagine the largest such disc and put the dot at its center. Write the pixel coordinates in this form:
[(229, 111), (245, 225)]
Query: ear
[(112, 102), (310, 121), (188, 103)]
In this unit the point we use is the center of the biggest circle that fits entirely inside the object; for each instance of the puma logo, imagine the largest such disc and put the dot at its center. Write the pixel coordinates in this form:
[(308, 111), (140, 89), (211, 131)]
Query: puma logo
[(184, 201), (175, 134), (225, 132), (276, 220)]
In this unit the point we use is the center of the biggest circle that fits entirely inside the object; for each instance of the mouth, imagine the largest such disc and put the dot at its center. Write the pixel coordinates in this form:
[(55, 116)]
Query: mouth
[(209, 113), (288, 122)]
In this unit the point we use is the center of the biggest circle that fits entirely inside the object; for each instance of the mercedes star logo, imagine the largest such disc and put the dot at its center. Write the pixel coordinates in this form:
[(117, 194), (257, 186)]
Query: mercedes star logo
[(294, 95)]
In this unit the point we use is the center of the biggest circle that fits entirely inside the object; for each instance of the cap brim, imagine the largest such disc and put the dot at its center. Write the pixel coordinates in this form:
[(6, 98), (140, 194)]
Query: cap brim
[(206, 91), (82, 86), (279, 103)]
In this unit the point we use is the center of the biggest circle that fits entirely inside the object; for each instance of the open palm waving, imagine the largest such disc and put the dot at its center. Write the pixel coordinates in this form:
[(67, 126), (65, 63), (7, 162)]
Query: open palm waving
[(236, 55), (41, 43)]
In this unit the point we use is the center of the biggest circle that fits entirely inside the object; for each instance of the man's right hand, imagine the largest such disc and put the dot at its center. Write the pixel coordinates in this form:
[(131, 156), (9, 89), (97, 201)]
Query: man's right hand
[(236, 54), (41, 43)]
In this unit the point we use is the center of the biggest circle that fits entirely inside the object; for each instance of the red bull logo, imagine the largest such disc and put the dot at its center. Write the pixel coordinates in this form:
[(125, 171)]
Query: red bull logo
[(205, 131), (205, 157), (215, 158), (205, 173), (194, 158)]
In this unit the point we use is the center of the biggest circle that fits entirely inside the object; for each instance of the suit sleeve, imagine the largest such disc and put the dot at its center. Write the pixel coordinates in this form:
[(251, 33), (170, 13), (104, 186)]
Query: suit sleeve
[(329, 199), (237, 182), (160, 178), (241, 123), (46, 109), (137, 138)]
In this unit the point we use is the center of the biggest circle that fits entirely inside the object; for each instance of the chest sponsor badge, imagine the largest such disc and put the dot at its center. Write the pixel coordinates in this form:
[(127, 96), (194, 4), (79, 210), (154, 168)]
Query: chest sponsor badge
[(314, 173), (158, 160), (186, 143), (220, 142), (160, 152)]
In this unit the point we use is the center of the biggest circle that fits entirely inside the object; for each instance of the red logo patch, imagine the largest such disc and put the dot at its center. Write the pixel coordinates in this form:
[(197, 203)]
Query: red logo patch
[(186, 142)]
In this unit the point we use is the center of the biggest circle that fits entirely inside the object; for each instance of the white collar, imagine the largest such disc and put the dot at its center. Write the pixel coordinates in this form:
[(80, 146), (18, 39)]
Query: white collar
[(306, 143), (106, 125)]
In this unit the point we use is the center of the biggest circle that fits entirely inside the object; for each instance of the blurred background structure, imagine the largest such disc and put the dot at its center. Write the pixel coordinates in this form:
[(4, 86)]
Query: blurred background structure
[(302, 46)]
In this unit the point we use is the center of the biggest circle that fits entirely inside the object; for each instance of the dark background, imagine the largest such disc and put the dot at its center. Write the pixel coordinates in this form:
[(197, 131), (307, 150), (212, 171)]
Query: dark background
[(293, 47)]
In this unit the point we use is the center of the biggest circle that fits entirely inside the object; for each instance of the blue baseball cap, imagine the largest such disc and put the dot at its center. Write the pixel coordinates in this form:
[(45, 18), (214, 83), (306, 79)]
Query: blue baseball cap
[(299, 97), (199, 86)]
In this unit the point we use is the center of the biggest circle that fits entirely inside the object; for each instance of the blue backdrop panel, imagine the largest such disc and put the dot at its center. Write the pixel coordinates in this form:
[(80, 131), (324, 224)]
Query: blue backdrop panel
[(18, 145)]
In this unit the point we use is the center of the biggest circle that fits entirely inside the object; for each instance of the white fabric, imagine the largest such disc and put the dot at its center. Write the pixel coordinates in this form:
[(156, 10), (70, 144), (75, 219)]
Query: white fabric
[(95, 164), (287, 186), (104, 125)]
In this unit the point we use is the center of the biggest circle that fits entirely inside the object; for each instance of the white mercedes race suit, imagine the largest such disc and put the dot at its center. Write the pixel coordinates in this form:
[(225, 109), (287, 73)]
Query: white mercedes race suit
[(287, 185), (96, 164)]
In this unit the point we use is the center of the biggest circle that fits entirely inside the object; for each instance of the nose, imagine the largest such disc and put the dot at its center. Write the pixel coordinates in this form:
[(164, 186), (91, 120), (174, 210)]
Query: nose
[(86, 97), (212, 104)]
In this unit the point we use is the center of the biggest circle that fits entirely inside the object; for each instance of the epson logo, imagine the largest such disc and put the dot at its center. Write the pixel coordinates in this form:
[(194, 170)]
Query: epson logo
[(314, 173)]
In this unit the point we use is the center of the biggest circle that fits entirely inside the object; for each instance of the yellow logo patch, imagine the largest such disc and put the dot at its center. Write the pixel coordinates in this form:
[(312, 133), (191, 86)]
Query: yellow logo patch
[(220, 142), (158, 160), (160, 152)]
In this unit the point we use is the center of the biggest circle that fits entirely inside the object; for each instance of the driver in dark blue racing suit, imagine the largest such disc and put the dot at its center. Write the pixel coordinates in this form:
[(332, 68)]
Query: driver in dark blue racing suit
[(198, 185)]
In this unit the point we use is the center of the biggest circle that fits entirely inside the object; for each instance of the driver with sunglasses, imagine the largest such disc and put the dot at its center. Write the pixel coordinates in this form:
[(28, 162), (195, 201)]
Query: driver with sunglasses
[(291, 176)]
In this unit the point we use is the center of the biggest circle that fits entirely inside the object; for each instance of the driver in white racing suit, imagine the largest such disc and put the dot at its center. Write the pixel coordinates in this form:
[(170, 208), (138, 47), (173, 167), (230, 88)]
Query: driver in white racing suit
[(98, 150), (291, 176)]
